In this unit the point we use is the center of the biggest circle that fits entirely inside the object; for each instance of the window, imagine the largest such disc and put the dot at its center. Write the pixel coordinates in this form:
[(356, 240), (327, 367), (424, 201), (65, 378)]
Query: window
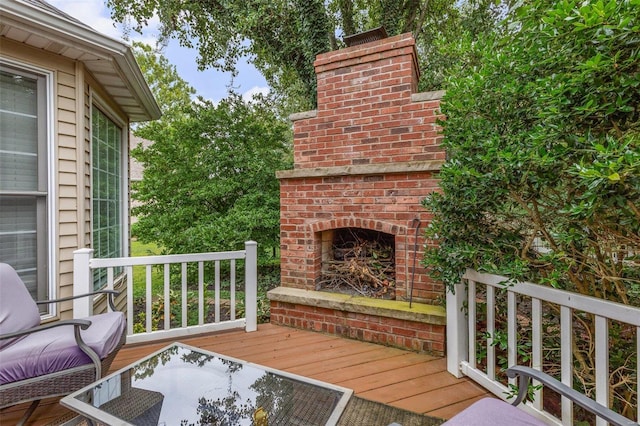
[(108, 230), (24, 241)]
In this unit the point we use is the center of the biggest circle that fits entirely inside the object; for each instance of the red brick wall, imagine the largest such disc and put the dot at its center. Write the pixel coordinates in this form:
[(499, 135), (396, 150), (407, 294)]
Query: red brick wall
[(365, 158), (400, 333), (365, 112), (386, 203)]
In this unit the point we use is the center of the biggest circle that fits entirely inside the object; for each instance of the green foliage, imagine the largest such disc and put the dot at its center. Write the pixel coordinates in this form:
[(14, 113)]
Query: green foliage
[(172, 93), (542, 135), (531, 389), (209, 184), (446, 41), (140, 272), (282, 38), (209, 178), (542, 181), (268, 278)]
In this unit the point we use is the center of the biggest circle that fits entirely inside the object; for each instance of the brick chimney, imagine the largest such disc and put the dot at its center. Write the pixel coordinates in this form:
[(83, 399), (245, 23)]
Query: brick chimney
[(365, 159), (367, 111)]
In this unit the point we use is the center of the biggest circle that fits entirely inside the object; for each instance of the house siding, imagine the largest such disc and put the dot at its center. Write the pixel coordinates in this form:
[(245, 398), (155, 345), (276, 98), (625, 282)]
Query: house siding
[(72, 88), (67, 188)]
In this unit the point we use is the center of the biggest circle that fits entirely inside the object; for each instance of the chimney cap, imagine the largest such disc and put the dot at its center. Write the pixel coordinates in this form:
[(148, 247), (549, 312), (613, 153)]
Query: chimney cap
[(365, 37)]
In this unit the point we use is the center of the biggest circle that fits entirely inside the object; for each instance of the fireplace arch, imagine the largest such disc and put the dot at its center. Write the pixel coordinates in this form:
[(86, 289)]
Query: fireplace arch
[(356, 222)]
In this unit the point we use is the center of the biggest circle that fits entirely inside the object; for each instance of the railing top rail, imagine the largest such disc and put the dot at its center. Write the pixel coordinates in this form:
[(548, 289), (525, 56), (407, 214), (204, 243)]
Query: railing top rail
[(166, 259), (592, 305)]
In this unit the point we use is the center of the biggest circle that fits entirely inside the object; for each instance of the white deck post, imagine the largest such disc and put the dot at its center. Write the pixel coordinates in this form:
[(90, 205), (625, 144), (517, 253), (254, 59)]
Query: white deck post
[(82, 283), (251, 286), (457, 331)]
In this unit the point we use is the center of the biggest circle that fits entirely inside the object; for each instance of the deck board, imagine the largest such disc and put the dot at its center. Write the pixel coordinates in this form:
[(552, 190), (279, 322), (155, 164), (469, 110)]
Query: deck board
[(431, 400), (387, 379), (417, 382)]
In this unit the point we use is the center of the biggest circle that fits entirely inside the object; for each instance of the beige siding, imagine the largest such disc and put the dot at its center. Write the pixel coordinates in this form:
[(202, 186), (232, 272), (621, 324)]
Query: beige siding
[(66, 129), (72, 86), (66, 116), (66, 166), (66, 153), (65, 104), (68, 80), (67, 192), (67, 175), (67, 228), (85, 164)]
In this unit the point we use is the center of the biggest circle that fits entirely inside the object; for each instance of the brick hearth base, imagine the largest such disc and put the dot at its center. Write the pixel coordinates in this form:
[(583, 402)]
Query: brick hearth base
[(419, 328)]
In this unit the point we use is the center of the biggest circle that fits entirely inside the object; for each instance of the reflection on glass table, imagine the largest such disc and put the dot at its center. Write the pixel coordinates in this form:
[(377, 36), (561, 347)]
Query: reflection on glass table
[(183, 385)]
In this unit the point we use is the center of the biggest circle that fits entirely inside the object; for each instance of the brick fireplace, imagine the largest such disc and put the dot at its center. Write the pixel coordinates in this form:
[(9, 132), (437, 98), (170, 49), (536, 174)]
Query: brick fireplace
[(363, 162)]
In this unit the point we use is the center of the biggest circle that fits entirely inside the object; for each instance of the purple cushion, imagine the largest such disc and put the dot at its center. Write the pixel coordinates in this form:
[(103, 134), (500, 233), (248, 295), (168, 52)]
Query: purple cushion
[(55, 349), (18, 311), (493, 412)]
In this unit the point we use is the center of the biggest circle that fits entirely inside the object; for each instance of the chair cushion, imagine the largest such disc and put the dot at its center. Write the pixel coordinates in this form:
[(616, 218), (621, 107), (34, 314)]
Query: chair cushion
[(18, 311), (56, 350), (493, 412)]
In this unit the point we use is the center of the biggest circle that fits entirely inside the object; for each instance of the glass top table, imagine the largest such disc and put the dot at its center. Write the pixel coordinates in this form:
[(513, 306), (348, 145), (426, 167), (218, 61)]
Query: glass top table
[(184, 385)]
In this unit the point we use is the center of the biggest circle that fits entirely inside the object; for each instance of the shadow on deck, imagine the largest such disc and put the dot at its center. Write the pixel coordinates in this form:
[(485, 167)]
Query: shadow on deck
[(403, 379)]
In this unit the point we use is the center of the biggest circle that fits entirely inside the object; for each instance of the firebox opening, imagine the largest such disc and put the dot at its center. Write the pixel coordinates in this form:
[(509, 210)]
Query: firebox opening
[(358, 261)]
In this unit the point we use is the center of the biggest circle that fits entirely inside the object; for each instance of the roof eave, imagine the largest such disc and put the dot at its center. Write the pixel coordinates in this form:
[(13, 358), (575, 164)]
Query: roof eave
[(84, 38)]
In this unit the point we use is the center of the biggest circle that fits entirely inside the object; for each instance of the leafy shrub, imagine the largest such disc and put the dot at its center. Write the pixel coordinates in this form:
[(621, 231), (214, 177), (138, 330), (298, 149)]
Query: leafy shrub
[(543, 138), (542, 181)]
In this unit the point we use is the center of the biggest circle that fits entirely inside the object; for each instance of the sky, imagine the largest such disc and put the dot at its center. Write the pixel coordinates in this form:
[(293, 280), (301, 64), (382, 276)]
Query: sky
[(210, 84)]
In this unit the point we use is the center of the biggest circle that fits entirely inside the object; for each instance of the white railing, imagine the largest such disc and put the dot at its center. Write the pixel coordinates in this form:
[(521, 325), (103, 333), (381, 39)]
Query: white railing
[(84, 265), (463, 346)]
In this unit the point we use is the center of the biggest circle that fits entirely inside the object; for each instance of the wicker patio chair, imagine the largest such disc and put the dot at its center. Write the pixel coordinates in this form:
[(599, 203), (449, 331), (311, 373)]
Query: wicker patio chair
[(45, 360)]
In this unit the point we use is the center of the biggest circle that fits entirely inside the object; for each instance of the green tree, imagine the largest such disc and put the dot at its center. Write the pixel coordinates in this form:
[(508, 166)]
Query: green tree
[(543, 177), (172, 93), (446, 44), (209, 177), (282, 38), (542, 181)]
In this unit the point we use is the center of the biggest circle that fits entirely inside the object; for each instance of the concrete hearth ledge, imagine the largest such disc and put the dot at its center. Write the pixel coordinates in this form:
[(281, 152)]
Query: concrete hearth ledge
[(362, 169), (419, 312)]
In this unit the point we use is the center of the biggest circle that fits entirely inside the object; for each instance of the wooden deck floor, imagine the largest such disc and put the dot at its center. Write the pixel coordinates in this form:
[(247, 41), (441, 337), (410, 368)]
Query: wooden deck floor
[(408, 380)]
